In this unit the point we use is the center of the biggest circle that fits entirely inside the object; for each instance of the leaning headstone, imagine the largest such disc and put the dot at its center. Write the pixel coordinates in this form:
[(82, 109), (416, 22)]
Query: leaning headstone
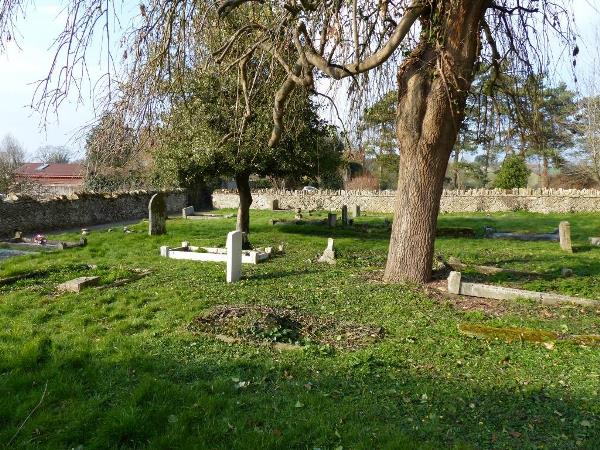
[(331, 219), (355, 211), (328, 255), (234, 256), (344, 215), (274, 204), (157, 215), (564, 232), (187, 211)]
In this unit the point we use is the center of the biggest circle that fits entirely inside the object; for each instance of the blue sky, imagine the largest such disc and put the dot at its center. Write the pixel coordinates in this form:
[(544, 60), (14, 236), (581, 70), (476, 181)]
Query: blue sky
[(21, 67)]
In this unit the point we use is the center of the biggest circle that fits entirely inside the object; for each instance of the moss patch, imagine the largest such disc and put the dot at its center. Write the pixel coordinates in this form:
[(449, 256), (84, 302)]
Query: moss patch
[(526, 334), (507, 334)]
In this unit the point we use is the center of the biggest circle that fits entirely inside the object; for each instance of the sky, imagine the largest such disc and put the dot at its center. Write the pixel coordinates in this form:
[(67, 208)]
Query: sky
[(23, 64)]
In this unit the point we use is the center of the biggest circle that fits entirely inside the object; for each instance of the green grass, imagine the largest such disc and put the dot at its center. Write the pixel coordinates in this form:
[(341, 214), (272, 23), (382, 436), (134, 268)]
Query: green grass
[(120, 370)]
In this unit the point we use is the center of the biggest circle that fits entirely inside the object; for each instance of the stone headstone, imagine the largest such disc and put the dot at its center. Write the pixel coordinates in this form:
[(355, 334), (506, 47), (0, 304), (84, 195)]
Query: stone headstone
[(331, 219), (274, 204), (564, 232), (78, 284), (344, 215), (328, 255), (566, 272), (234, 256), (157, 215), (187, 211), (454, 282), (355, 211)]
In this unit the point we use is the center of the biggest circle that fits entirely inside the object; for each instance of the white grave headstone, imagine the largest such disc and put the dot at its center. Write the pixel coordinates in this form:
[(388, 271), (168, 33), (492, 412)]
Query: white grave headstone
[(564, 230), (234, 256)]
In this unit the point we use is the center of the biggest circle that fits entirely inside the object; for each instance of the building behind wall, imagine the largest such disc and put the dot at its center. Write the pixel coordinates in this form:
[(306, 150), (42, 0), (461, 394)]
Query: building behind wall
[(59, 179)]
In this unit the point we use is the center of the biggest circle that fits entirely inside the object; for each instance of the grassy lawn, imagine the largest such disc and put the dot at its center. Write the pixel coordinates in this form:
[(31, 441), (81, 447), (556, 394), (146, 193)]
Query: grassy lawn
[(118, 368)]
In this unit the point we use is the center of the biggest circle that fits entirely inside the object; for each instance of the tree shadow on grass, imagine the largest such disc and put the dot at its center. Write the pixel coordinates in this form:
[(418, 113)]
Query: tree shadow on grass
[(378, 234), (213, 395)]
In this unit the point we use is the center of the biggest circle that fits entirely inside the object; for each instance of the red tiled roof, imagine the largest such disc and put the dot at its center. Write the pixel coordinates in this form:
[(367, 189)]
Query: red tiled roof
[(41, 170)]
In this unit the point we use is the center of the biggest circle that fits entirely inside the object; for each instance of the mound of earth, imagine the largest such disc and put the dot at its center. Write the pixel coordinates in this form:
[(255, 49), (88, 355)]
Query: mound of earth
[(263, 324)]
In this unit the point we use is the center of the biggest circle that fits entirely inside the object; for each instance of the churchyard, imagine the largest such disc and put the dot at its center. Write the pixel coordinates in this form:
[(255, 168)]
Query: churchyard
[(159, 352)]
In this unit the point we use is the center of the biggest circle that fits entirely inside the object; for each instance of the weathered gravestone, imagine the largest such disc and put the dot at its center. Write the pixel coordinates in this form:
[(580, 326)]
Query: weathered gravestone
[(274, 204), (234, 256), (564, 232), (331, 219), (328, 255), (157, 215), (355, 211), (78, 284), (344, 215), (187, 211)]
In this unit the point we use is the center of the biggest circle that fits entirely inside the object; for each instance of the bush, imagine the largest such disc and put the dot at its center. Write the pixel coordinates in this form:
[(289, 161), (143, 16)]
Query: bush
[(513, 173), (365, 182)]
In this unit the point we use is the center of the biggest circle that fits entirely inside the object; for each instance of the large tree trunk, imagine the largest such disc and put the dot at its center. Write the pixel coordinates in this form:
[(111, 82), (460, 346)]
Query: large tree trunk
[(243, 217), (432, 88)]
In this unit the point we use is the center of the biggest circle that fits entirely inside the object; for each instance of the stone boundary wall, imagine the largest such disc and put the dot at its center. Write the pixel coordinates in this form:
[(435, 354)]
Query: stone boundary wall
[(30, 215), (485, 200)]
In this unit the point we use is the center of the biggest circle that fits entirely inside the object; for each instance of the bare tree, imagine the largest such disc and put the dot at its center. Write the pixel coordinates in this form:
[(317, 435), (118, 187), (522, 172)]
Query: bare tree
[(433, 47), (12, 156), (54, 154)]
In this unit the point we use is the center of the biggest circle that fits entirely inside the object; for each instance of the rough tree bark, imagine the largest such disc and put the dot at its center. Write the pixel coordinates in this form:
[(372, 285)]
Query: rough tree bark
[(432, 89), (243, 217), (545, 180)]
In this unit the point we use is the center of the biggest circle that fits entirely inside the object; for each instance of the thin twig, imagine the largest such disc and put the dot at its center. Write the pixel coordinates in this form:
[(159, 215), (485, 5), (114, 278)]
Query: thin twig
[(29, 415)]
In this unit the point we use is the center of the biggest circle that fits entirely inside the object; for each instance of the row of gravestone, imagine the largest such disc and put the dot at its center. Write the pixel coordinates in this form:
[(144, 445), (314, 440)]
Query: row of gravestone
[(354, 209)]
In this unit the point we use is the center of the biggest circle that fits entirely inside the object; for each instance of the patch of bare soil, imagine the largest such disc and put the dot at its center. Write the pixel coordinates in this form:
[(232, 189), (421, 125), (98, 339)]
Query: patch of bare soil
[(263, 324), (437, 289)]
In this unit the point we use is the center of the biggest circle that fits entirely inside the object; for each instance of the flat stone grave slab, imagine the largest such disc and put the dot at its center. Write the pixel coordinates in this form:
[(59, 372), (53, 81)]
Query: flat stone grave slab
[(31, 244), (211, 254), (189, 213), (6, 253), (523, 236), (77, 284), (457, 286)]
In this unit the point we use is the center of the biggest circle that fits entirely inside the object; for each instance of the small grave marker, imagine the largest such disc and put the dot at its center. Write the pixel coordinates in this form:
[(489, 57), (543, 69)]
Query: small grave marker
[(344, 215), (564, 232), (234, 256), (274, 204), (157, 215), (331, 219), (355, 211), (328, 255), (78, 284), (187, 211)]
